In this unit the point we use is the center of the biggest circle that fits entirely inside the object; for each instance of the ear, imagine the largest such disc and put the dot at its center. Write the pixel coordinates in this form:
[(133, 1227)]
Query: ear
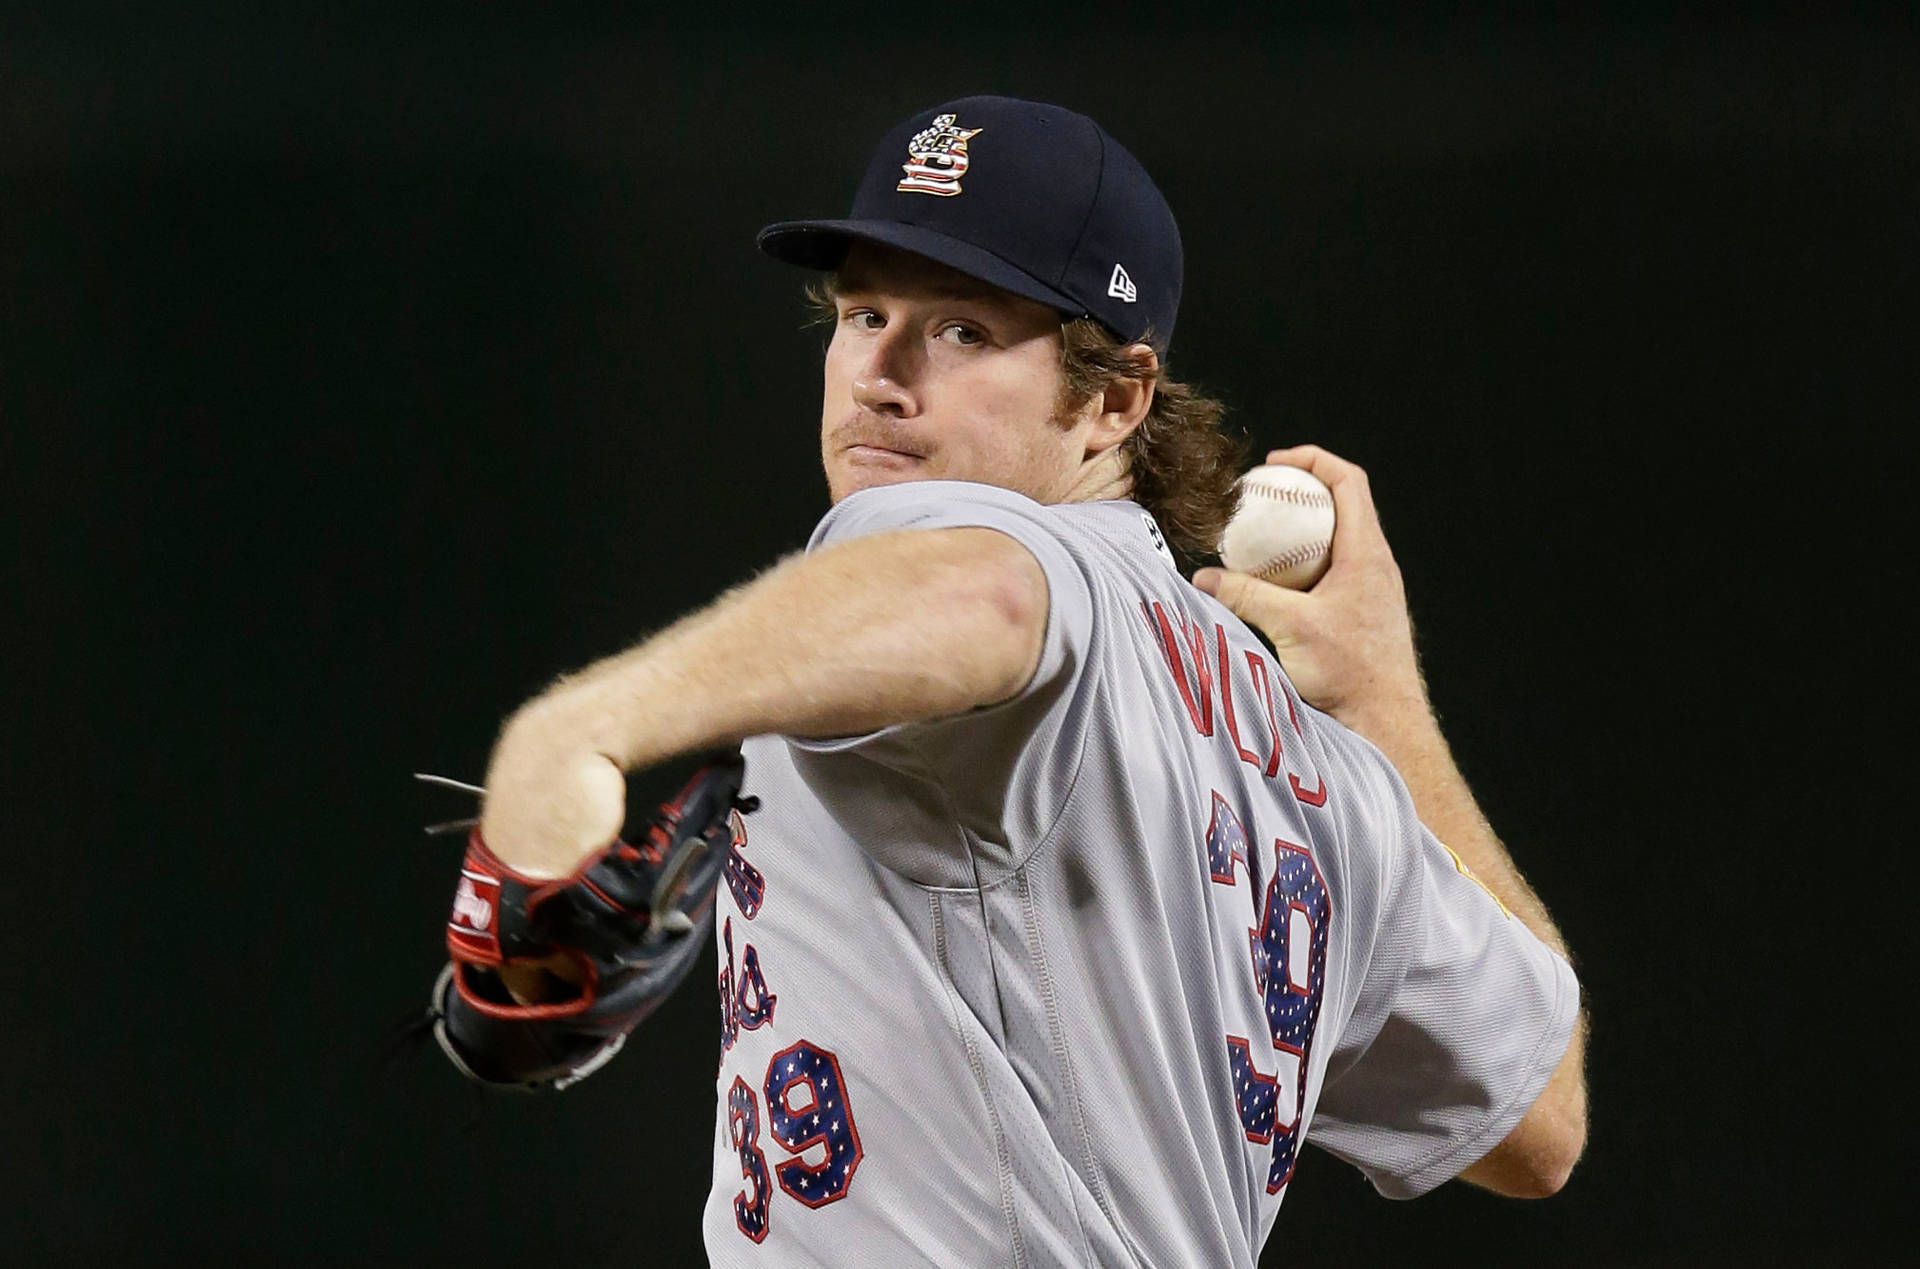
[(1125, 402)]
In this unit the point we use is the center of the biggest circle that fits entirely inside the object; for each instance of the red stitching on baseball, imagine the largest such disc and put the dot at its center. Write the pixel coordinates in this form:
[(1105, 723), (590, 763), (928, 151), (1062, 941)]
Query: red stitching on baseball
[(1287, 559), (1305, 497)]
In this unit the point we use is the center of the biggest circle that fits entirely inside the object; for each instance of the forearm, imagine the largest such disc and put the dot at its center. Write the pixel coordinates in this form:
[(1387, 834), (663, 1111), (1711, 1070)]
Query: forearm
[(893, 628), (1539, 1153), (1348, 647), (888, 629)]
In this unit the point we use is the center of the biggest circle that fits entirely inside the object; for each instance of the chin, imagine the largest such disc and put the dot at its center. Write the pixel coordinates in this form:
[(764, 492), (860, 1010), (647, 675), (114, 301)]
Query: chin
[(848, 478), (854, 482)]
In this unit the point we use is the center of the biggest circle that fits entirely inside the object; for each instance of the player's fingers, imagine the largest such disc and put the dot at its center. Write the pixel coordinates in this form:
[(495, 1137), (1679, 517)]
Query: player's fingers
[(1273, 609), (1311, 457), (1356, 523), (1332, 470)]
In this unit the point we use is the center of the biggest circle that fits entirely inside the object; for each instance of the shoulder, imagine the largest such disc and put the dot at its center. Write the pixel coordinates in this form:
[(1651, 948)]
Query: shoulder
[(1081, 547), (926, 504)]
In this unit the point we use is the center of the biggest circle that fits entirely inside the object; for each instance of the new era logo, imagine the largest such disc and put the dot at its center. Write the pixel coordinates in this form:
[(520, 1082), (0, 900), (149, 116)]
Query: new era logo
[(1121, 287)]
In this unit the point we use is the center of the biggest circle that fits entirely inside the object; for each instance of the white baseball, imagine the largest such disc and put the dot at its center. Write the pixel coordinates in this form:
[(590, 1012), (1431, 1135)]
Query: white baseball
[(1282, 529)]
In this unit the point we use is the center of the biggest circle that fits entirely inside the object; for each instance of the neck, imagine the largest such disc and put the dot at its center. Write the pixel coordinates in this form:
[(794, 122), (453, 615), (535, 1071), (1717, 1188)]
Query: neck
[(1100, 478)]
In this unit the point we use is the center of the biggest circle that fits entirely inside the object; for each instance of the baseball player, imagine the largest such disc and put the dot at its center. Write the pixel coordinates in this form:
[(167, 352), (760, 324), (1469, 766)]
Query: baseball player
[(1053, 912)]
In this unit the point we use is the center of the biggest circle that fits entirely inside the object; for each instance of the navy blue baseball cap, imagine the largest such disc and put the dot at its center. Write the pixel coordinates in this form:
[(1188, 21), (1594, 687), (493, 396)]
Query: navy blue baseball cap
[(1031, 198)]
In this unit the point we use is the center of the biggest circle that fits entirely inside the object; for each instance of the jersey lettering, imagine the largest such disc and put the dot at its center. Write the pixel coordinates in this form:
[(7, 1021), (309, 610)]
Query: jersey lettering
[(1319, 796), (729, 1016), (743, 1127), (1197, 693), (743, 879), (1290, 969), (1227, 846), (1263, 684), (808, 1113), (1257, 667), (1197, 667), (752, 1002), (1253, 1093), (746, 1004), (807, 1109), (806, 1096)]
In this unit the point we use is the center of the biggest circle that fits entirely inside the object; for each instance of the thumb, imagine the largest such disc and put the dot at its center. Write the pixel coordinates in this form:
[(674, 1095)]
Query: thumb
[(1262, 605)]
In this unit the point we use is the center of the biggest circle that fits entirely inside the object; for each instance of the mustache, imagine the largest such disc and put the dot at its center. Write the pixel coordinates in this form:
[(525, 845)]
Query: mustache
[(878, 431)]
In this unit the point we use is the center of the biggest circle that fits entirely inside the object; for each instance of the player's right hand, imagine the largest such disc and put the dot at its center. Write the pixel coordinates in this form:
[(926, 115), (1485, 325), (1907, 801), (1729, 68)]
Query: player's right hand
[(1347, 644)]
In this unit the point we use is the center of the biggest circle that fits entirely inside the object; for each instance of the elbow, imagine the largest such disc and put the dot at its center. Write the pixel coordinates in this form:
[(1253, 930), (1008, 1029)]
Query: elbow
[(1003, 596), (1556, 1180), (1556, 1133), (1017, 596), (1554, 1147), (1533, 1164), (1548, 1172), (1537, 1158), (1558, 1169)]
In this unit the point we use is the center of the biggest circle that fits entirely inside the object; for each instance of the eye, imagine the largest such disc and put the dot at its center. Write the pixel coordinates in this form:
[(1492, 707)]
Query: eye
[(863, 319), (962, 334)]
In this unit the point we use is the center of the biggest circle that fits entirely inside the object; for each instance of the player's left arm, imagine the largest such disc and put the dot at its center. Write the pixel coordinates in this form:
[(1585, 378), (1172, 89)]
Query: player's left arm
[(1347, 645), (1535, 1159), (892, 628)]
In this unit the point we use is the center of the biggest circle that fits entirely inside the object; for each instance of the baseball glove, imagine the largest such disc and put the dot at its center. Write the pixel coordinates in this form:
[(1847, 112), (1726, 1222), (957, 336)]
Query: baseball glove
[(614, 937)]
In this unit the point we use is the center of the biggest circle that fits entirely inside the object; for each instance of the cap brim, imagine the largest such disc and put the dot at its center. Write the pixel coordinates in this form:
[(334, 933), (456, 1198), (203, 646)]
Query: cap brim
[(822, 244)]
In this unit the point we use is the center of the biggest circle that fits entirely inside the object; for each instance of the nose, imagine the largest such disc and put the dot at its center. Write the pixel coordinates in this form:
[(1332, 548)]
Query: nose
[(883, 383)]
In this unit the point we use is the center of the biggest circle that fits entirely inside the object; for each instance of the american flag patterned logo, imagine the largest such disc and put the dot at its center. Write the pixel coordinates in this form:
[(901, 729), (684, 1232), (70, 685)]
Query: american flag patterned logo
[(937, 158)]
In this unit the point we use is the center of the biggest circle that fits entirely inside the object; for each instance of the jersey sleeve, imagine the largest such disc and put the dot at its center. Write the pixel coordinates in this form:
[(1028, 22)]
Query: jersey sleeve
[(998, 773), (1461, 1018)]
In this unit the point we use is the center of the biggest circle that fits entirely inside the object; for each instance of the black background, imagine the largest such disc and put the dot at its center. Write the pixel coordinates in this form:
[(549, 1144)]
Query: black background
[(358, 376)]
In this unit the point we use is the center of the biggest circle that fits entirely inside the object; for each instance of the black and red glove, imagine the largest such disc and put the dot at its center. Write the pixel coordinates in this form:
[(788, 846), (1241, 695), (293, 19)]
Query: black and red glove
[(613, 939)]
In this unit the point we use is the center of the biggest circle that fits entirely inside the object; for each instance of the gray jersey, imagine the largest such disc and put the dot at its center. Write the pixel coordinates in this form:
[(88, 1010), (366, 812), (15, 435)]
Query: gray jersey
[(1070, 980)]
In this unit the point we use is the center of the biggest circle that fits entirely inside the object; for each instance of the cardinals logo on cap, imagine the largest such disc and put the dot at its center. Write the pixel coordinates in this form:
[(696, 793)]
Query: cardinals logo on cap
[(938, 158)]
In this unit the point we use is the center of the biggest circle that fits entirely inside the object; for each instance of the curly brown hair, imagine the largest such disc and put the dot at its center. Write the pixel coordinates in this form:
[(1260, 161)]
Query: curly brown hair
[(1183, 463)]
